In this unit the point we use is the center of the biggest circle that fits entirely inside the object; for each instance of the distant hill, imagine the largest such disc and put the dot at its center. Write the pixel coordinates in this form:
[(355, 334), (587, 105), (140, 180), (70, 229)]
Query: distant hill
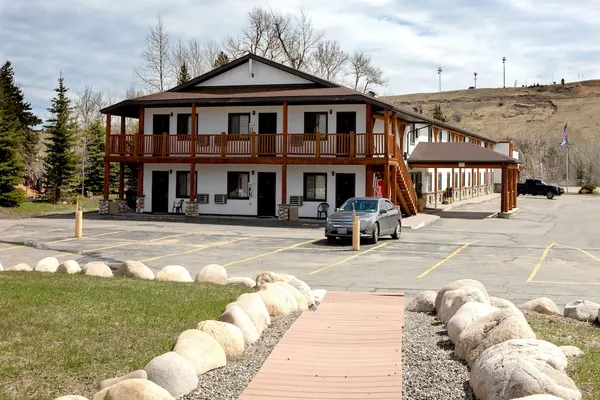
[(534, 116)]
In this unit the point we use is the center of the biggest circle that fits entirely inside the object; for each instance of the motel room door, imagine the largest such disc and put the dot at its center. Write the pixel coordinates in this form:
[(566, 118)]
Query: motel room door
[(267, 127), (266, 194), (345, 188), (160, 191), (345, 123)]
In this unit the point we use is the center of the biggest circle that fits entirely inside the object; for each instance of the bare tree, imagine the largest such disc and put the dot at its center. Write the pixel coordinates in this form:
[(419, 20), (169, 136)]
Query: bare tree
[(364, 74), (179, 56), (258, 38), (196, 59), (210, 50), (87, 106), (329, 60), (133, 92), (154, 70)]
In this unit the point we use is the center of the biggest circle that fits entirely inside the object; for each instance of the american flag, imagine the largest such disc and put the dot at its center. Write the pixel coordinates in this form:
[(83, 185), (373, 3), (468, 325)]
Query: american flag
[(564, 137)]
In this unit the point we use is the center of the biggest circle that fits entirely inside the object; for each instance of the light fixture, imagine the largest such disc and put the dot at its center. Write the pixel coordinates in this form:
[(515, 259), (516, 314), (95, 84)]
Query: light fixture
[(171, 114), (330, 112), (253, 112), (253, 172), (332, 173), (170, 172)]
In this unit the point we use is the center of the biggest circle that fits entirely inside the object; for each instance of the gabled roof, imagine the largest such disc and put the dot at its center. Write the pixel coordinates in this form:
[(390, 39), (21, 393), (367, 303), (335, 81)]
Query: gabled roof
[(455, 153), (235, 63)]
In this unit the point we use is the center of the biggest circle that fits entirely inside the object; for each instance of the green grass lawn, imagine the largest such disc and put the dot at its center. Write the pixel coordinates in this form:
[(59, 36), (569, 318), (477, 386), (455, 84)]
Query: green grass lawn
[(585, 370), (40, 208), (63, 334)]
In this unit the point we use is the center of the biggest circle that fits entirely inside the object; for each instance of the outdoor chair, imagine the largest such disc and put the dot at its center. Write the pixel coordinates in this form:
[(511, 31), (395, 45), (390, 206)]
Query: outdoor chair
[(322, 210), (178, 206)]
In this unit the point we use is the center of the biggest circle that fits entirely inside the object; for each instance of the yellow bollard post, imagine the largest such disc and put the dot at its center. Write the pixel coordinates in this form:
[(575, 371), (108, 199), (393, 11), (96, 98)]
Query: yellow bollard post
[(355, 231), (78, 221)]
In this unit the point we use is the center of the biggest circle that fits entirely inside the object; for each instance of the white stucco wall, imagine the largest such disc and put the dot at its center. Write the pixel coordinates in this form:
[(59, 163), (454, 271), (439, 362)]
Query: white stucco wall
[(263, 75)]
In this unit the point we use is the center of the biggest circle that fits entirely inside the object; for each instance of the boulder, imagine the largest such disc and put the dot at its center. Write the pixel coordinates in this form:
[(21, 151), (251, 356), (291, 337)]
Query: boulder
[(571, 351), (174, 273), (582, 310), (424, 302), (501, 303), (201, 350), (277, 300), (97, 268), (135, 269), (69, 267), (70, 397), (491, 330), (300, 299), (302, 288), (139, 389), (455, 299), (520, 368), (254, 306), (457, 285), (241, 282), (543, 305), (465, 316), (318, 295), (48, 264), (229, 336), (139, 374), (20, 267), (1, 269), (172, 372), (213, 273), (267, 277), (236, 316)]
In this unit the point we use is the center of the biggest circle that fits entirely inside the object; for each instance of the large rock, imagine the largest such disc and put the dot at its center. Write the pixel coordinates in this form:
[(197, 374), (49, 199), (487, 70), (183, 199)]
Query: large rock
[(97, 268), (69, 267), (229, 336), (172, 372), (424, 302), (457, 285), (48, 264), (236, 316), (174, 273), (271, 277), (519, 368), (543, 305), (465, 316), (300, 299), (201, 350), (501, 303), (254, 306), (138, 389), (135, 269), (212, 273), (452, 300), (267, 277), (241, 282), (571, 351), (277, 300), (491, 330), (70, 397), (318, 295), (582, 310), (22, 267), (139, 374), (1, 269)]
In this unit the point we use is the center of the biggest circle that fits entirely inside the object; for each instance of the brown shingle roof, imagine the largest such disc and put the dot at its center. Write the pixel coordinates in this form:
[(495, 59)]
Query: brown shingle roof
[(456, 152)]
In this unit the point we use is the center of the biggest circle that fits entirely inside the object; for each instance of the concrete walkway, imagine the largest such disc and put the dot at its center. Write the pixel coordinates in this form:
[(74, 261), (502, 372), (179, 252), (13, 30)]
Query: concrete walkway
[(472, 200)]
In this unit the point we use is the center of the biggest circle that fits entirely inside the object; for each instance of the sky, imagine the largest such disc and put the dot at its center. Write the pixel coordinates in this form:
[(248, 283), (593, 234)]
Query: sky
[(98, 42)]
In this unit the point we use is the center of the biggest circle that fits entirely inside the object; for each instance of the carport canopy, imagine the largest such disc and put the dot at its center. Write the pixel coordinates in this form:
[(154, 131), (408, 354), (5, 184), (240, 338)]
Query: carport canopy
[(469, 155)]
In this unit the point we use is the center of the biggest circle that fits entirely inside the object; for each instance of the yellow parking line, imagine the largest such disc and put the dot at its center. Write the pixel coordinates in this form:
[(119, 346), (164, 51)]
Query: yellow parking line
[(581, 250), (85, 237), (348, 259), (567, 283), (203, 247), (539, 264), (464, 246), (269, 253), (32, 233), (12, 248)]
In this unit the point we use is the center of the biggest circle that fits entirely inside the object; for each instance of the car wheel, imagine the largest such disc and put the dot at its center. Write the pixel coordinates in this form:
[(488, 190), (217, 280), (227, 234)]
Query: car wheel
[(375, 236), (331, 239), (550, 195), (396, 234)]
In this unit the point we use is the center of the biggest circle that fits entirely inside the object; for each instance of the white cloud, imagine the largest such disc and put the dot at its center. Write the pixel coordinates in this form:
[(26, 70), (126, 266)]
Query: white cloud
[(97, 42)]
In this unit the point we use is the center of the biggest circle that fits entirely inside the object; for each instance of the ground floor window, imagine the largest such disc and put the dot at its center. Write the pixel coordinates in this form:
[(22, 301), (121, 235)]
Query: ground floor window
[(439, 182), (468, 179), (182, 186), (315, 187), (429, 182), (462, 182), (448, 178), (238, 185)]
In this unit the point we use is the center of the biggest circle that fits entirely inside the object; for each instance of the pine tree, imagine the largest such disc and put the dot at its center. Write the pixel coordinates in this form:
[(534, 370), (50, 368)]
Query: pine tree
[(94, 179), (184, 75), (61, 162), (11, 166), (221, 60), (439, 114), (16, 106)]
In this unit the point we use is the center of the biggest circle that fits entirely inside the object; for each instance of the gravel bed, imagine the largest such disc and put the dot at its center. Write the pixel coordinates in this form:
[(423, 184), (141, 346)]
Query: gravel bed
[(229, 382), (430, 370)]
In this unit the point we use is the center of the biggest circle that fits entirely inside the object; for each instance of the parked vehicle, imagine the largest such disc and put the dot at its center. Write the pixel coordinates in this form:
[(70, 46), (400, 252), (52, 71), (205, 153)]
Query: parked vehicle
[(378, 217), (536, 187)]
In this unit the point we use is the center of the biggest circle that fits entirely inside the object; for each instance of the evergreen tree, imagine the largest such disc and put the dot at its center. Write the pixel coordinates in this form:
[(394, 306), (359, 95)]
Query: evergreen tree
[(61, 161), (221, 60), (439, 114), (16, 106), (11, 166), (184, 75), (94, 179)]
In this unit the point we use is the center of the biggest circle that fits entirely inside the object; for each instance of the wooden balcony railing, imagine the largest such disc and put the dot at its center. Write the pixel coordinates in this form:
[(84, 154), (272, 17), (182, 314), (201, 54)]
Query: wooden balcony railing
[(352, 145)]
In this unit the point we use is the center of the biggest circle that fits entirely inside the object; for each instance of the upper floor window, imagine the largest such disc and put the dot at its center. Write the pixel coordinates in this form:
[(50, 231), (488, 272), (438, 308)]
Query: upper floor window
[(184, 124), (239, 124), (315, 122), (161, 124), (430, 135)]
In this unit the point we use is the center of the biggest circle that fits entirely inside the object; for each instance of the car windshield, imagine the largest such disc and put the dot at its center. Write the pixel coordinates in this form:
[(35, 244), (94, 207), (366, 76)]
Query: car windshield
[(359, 205)]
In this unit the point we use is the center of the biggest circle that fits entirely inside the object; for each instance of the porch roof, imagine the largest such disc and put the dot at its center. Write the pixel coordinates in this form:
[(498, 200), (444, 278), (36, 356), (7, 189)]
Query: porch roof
[(455, 154)]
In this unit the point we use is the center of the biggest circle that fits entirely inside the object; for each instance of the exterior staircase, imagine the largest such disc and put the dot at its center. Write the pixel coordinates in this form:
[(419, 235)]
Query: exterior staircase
[(406, 192)]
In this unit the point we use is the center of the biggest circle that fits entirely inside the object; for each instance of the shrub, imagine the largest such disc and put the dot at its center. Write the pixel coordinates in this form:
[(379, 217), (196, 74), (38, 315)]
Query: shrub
[(14, 198), (587, 188)]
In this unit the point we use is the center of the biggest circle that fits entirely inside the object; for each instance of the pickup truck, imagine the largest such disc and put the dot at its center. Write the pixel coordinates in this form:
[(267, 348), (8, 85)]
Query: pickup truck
[(536, 187)]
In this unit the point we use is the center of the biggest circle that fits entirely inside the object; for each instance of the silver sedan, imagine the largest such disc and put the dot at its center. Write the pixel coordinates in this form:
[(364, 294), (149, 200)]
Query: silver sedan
[(377, 216)]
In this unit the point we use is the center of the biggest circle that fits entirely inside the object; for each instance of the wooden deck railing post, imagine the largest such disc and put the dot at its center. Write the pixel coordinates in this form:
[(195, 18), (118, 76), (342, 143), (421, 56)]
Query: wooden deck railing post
[(352, 144), (194, 132), (138, 137), (253, 144), (318, 144), (223, 144), (164, 144)]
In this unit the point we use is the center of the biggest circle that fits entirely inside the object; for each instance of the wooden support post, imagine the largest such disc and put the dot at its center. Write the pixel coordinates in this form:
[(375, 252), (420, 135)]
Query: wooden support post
[(369, 181), (122, 125), (252, 144), (386, 181), (435, 184), (106, 161), (192, 181), (393, 145), (285, 129), (369, 131), (164, 144), (140, 180), (318, 144), (284, 183), (518, 178), (435, 134), (504, 194), (194, 131), (352, 144), (395, 185), (121, 181), (386, 134), (472, 179), (223, 144), (139, 150)]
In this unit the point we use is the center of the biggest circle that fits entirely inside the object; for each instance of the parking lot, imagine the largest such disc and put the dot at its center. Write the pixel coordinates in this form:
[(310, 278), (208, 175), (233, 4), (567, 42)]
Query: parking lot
[(551, 248)]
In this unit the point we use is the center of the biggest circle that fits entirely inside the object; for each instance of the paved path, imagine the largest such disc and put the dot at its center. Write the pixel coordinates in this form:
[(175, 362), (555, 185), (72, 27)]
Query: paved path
[(350, 348)]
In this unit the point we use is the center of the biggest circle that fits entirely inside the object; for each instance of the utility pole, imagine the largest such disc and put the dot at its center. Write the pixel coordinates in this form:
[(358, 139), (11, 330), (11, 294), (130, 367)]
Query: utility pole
[(475, 74), (504, 72), (440, 77)]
